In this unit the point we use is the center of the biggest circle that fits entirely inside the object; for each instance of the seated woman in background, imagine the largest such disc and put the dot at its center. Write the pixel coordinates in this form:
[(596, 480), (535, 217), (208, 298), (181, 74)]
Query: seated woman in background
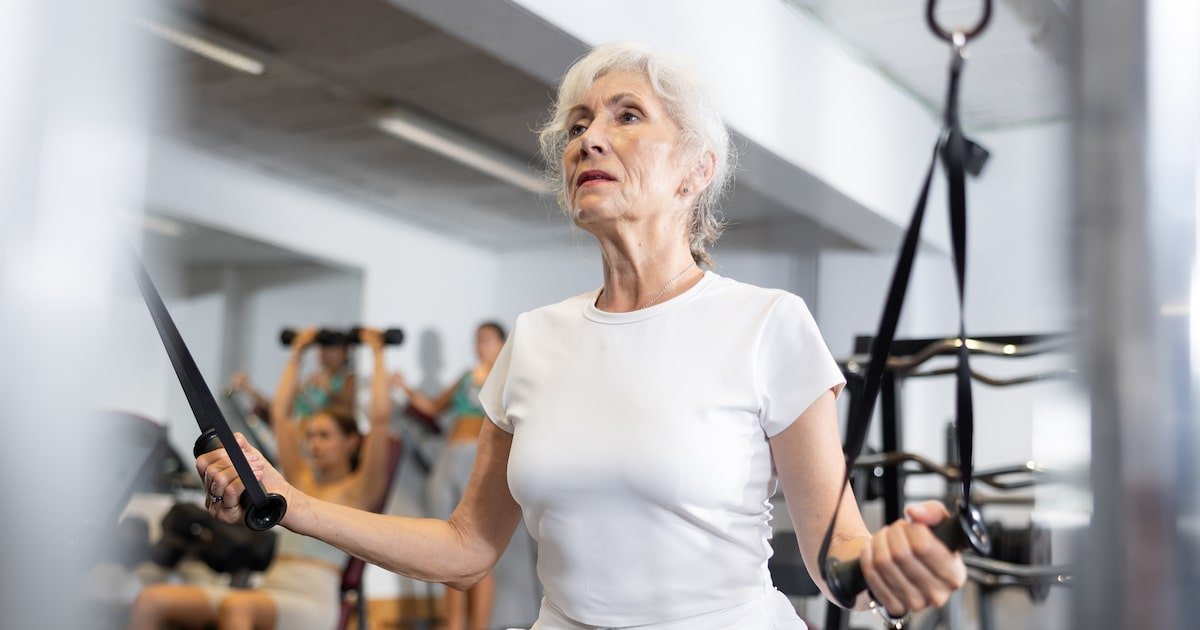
[(448, 481), (325, 454), (260, 404)]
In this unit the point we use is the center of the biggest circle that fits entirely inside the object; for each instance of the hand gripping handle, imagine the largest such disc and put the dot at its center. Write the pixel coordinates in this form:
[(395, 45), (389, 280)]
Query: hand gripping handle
[(964, 528), (261, 515)]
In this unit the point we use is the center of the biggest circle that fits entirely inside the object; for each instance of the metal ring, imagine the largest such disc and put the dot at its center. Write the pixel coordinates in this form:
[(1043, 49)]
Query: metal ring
[(948, 36), (215, 498)]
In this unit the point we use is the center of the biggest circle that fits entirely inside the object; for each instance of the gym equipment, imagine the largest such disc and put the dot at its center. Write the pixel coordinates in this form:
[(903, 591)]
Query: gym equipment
[(1027, 546), (190, 531), (335, 337), (263, 510), (959, 156)]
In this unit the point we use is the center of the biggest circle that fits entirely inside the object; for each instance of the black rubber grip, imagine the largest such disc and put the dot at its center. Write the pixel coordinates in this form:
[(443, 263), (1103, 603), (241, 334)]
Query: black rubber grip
[(260, 516), (965, 528)]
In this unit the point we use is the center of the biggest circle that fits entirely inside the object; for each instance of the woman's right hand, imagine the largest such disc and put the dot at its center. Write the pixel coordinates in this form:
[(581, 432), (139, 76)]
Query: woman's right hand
[(304, 338), (239, 382), (221, 481), (397, 381)]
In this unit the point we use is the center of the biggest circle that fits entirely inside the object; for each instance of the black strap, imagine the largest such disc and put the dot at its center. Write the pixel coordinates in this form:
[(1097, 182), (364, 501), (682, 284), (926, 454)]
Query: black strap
[(956, 154), (200, 399)]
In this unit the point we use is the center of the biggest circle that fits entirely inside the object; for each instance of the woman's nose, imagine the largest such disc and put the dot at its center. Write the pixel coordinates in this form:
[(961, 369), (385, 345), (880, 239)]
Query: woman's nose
[(593, 140)]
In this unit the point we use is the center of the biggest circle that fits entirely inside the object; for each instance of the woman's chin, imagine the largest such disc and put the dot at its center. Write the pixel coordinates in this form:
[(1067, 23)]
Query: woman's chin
[(589, 213)]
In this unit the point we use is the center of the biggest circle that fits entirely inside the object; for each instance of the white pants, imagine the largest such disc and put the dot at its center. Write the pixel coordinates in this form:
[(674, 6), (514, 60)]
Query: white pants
[(770, 611), (306, 594)]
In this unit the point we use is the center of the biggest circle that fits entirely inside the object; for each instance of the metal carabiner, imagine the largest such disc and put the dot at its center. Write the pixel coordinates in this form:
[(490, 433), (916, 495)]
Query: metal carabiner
[(948, 36)]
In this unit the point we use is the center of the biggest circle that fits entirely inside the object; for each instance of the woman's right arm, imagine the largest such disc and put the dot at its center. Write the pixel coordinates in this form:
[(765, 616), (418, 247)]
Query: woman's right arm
[(287, 430), (458, 552), (432, 407)]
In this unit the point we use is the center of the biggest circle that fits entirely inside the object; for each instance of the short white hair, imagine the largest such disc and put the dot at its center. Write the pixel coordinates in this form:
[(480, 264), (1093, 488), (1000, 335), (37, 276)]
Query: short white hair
[(681, 90)]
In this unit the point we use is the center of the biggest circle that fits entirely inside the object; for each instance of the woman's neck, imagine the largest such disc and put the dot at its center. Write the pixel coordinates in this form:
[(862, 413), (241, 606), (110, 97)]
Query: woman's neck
[(645, 267)]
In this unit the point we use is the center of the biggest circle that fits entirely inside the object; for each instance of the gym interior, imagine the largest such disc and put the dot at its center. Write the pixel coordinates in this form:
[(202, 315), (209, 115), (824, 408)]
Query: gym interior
[(344, 209)]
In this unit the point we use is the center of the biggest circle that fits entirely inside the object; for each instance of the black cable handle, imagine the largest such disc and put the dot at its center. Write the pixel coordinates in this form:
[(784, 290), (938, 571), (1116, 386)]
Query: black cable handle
[(263, 509)]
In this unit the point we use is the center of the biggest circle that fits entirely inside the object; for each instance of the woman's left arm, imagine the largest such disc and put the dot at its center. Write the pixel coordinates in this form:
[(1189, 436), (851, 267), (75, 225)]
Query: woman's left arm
[(372, 471), (906, 568)]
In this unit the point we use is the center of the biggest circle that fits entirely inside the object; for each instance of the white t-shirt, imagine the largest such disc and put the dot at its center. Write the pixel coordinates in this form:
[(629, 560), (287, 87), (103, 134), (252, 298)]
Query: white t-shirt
[(640, 454)]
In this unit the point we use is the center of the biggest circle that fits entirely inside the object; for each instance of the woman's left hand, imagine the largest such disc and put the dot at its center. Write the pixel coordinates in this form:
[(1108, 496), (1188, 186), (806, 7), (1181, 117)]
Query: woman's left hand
[(906, 568), (372, 337)]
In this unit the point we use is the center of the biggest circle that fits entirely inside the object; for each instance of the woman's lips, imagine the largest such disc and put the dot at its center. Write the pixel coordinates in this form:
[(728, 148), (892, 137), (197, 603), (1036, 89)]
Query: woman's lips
[(595, 182), (593, 177)]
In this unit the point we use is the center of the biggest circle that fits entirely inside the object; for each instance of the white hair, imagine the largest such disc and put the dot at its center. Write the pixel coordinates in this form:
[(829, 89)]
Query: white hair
[(680, 89)]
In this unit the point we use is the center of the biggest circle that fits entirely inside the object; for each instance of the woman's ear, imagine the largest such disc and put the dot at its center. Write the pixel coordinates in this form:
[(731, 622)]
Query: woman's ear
[(702, 175)]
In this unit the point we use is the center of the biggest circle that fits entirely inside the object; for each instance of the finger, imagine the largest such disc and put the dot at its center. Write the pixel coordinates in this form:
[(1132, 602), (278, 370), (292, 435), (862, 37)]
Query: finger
[(927, 513), (910, 595), (873, 559), (206, 459), (945, 565), (221, 480), (232, 496), (210, 473), (931, 590), (248, 449), (889, 568)]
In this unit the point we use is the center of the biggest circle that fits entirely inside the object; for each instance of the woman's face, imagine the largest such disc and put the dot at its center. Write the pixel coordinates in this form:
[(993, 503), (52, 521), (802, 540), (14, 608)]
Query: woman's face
[(327, 444), (488, 344), (622, 158), (333, 357)]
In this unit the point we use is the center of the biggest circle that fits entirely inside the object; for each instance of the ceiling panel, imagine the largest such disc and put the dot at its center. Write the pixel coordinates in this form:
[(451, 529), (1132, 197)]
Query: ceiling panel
[(1014, 74), (331, 64)]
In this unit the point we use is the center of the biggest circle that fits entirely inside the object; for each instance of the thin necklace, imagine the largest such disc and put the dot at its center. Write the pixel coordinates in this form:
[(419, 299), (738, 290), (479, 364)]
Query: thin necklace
[(661, 292)]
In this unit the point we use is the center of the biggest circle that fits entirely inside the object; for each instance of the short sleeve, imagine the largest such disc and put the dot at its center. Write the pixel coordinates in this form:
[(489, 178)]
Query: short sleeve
[(793, 365), (492, 394)]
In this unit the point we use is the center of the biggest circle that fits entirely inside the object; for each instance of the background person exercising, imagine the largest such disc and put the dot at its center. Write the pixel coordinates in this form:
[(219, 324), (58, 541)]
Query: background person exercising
[(324, 456), (452, 471)]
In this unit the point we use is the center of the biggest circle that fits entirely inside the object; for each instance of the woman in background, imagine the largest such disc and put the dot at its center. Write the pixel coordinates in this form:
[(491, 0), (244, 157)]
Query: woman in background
[(324, 453), (448, 481)]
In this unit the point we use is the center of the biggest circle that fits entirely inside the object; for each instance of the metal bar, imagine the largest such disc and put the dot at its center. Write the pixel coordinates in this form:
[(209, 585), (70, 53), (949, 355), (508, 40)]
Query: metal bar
[(1136, 98)]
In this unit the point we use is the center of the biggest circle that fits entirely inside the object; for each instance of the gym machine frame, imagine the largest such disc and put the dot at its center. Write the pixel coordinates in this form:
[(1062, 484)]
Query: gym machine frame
[(888, 467)]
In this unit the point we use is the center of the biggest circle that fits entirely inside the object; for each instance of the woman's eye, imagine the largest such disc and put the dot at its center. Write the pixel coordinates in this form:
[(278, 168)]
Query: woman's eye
[(629, 117), (575, 130)]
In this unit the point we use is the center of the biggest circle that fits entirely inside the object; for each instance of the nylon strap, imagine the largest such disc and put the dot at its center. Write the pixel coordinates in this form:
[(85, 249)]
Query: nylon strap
[(200, 399), (953, 150)]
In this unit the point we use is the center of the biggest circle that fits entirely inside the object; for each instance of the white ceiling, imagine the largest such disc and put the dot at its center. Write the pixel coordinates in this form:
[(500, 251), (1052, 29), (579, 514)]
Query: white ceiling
[(1016, 72), (331, 64), (187, 244)]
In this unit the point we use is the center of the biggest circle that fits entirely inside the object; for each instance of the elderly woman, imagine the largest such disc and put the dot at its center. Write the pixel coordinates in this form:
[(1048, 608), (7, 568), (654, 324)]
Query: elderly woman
[(640, 428)]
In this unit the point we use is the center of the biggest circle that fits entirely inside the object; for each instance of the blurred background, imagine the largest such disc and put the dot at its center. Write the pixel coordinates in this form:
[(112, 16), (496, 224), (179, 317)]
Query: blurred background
[(281, 164)]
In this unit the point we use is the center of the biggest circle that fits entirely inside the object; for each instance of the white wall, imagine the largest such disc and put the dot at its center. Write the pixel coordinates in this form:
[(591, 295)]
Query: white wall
[(140, 373), (412, 277)]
